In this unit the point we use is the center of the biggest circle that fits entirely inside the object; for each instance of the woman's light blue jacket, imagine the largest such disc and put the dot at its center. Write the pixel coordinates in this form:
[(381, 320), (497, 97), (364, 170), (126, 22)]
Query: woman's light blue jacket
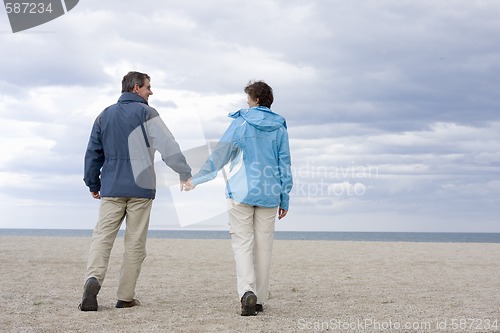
[(256, 144)]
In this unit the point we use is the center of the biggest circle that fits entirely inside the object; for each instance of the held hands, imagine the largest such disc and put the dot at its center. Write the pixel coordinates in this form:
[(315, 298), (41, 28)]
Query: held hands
[(187, 185)]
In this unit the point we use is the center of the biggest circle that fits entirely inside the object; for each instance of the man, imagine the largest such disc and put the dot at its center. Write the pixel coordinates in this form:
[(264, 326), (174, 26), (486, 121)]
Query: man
[(119, 170), (256, 143)]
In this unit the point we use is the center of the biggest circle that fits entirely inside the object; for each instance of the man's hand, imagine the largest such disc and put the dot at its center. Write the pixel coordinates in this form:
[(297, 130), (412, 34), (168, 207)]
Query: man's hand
[(183, 185), (95, 195), (282, 213)]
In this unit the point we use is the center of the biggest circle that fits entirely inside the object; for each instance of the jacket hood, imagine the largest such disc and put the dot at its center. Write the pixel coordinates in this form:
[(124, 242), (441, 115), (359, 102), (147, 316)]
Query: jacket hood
[(128, 97), (261, 117)]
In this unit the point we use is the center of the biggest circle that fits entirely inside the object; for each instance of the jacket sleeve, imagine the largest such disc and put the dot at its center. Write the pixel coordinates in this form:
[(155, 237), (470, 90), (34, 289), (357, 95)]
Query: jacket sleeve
[(162, 140), (94, 159), (223, 152), (285, 170)]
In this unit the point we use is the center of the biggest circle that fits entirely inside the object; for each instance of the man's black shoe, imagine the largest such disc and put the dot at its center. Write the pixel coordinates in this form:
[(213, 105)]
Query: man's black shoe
[(259, 308), (248, 302), (90, 291), (123, 304)]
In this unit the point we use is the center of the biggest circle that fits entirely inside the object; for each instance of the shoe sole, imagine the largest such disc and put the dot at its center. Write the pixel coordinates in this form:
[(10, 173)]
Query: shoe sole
[(248, 306), (89, 300)]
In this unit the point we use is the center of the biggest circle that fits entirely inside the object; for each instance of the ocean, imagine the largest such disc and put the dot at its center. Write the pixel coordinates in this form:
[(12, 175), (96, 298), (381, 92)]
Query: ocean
[(435, 237)]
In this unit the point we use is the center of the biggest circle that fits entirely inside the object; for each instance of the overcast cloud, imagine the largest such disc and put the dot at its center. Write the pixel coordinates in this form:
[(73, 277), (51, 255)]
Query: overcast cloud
[(392, 106)]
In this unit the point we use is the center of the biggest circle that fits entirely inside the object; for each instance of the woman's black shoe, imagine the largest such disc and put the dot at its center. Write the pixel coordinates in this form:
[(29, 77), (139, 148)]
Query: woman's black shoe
[(248, 302)]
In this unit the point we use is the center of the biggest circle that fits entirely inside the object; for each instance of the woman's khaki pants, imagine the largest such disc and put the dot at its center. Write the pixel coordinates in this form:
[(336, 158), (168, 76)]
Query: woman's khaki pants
[(252, 235)]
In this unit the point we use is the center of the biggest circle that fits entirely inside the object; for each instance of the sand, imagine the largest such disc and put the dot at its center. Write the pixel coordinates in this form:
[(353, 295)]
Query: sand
[(316, 286)]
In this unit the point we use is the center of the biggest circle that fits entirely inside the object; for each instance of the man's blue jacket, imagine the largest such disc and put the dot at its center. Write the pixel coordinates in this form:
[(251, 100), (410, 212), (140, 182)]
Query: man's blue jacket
[(119, 161)]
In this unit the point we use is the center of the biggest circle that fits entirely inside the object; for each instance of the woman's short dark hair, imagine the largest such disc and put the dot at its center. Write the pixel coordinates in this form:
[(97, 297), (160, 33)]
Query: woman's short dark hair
[(133, 78), (261, 91)]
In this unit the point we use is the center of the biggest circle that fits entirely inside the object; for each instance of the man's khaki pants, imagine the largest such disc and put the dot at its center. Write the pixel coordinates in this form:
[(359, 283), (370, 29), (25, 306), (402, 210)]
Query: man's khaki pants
[(111, 215), (252, 235)]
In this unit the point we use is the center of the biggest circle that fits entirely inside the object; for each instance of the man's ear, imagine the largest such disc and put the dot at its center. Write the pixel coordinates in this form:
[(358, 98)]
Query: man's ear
[(136, 88)]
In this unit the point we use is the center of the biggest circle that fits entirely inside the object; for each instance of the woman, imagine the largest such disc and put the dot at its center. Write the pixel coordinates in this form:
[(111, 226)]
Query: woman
[(258, 187)]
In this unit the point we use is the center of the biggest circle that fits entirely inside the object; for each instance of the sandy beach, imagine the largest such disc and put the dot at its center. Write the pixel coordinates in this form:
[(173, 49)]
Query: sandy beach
[(316, 286)]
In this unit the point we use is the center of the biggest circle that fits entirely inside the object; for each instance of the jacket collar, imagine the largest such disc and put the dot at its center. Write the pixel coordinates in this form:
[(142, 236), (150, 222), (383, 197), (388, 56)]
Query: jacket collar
[(128, 97)]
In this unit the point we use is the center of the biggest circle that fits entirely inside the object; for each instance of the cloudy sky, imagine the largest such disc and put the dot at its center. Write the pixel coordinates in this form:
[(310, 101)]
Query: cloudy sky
[(392, 106)]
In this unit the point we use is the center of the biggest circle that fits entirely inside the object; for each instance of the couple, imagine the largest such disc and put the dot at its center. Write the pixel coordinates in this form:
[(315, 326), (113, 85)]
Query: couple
[(256, 145)]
